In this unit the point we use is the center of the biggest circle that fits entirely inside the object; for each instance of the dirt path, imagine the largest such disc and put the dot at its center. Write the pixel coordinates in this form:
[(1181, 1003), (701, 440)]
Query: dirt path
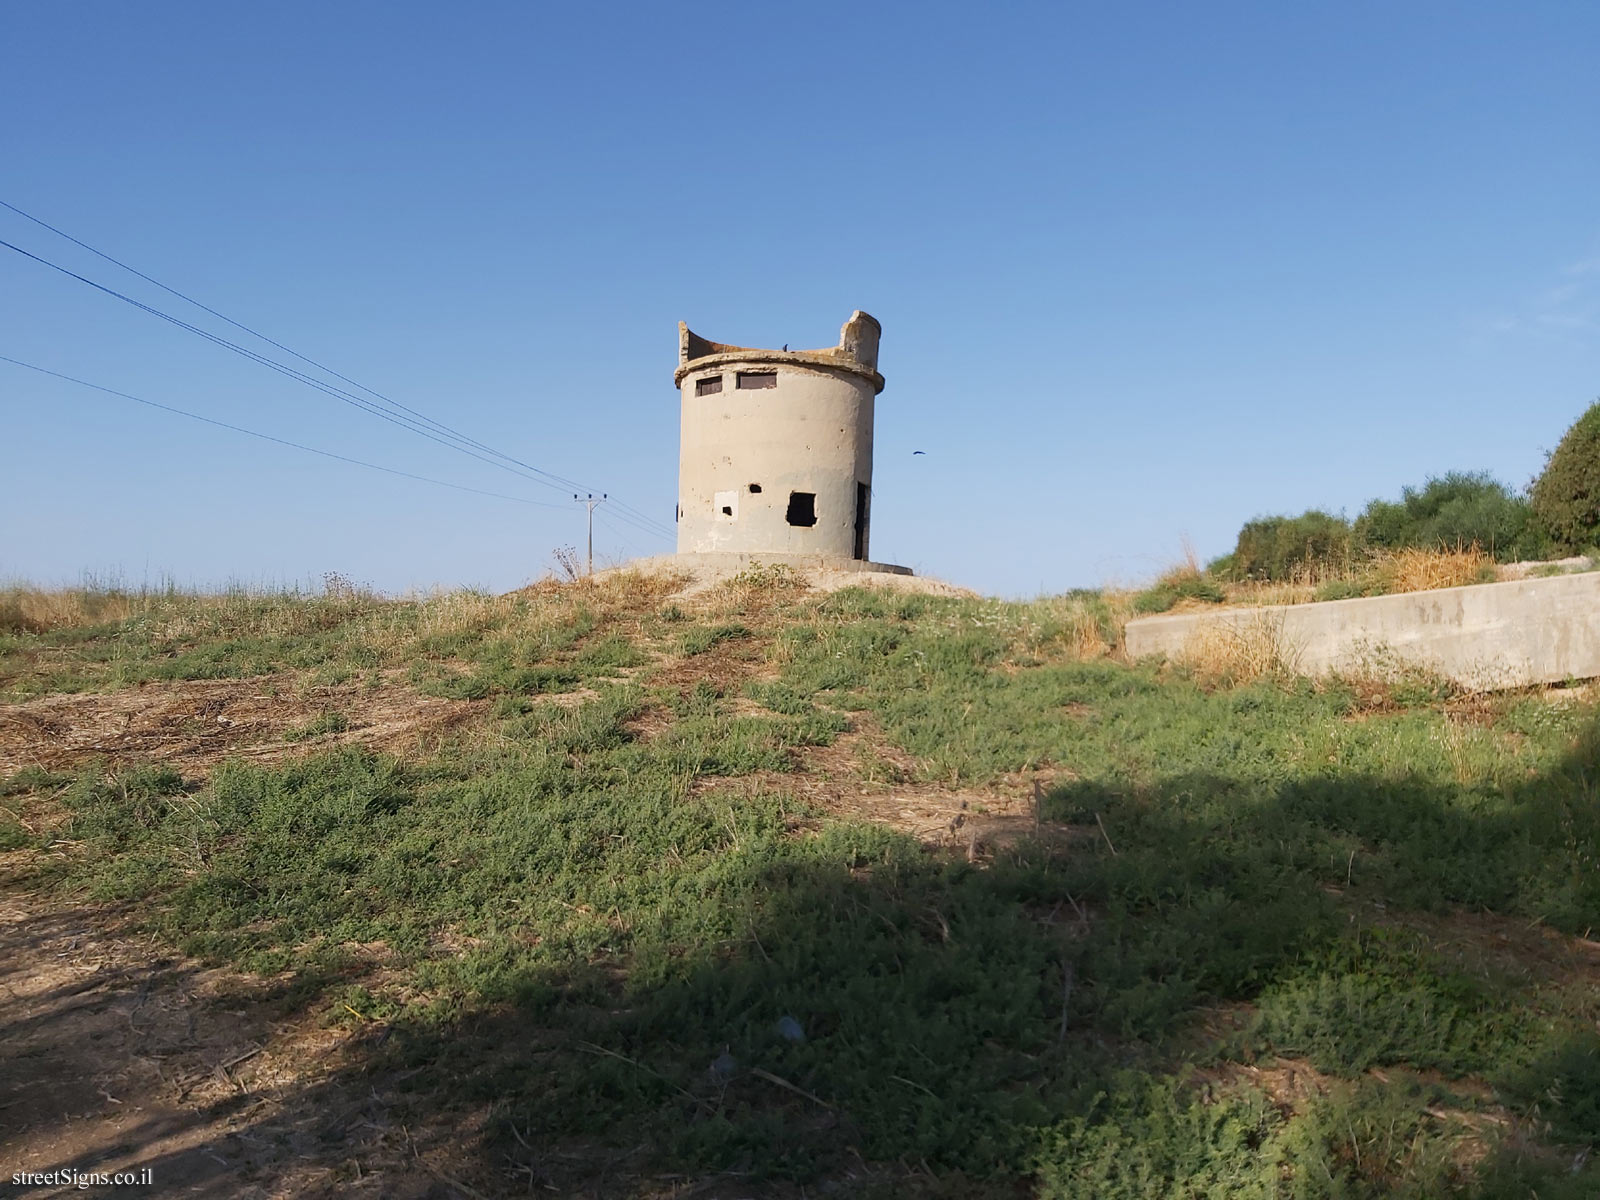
[(117, 1058)]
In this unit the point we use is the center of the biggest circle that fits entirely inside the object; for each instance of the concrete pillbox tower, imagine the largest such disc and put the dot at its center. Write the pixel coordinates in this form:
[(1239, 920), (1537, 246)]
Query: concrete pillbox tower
[(775, 453)]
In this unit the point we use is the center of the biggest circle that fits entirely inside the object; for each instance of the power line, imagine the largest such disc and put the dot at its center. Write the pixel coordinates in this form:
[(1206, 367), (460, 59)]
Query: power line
[(299, 376), (617, 533), (267, 437), (641, 520), (291, 372), (558, 480)]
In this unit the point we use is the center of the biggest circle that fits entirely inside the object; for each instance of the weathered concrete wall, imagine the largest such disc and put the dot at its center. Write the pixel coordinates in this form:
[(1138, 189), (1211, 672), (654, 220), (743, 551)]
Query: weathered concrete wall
[(1492, 635), (744, 453)]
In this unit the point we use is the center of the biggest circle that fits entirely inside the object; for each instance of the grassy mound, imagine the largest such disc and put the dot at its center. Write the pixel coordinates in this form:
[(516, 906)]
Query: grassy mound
[(1274, 939)]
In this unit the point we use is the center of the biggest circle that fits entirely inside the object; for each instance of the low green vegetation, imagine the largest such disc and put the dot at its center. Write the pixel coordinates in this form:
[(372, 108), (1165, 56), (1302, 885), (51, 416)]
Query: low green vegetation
[(1456, 509), (702, 638), (1279, 548), (1186, 583), (1450, 512), (465, 645), (1566, 496), (331, 721), (629, 930), (1559, 513)]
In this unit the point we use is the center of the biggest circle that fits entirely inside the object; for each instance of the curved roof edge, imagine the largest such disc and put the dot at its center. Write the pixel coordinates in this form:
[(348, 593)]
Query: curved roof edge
[(857, 351)]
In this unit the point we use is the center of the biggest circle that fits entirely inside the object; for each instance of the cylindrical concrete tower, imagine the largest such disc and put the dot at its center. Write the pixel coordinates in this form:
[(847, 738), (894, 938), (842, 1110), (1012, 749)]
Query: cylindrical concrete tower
[(775, 454)]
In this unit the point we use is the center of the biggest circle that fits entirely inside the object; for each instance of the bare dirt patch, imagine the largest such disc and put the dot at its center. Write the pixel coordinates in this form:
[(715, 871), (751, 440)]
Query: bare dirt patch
[(194, 725), (121, 1058), (726, 666), (861, 776), (1521, 950)]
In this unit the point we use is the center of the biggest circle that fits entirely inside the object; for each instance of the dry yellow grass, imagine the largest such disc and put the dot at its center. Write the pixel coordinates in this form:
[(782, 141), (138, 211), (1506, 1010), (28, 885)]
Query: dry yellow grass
[(35, 610), (1095, 634), (1418, 570), (757, 586), (389, 625), (1239, 650), (1087, 640), (1256, 593), (1078, 626), (1383, 573)]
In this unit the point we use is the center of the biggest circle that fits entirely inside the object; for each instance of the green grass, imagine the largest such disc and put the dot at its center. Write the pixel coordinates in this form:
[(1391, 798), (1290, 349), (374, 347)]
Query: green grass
[(573, 925), (1179, 585), (93, 640), (1381, 998), (330, 721), (13, 836), (702, 638)]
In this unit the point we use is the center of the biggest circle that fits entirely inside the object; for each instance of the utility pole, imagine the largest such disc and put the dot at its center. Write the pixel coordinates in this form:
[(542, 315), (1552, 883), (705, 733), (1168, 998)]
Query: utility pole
[(590, 502)]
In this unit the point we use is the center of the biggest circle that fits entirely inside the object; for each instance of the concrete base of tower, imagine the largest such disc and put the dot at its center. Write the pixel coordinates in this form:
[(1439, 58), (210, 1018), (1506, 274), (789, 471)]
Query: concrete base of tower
[(733, 561)]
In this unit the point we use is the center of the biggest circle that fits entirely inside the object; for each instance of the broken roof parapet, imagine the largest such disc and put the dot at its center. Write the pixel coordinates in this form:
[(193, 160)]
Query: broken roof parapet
[(857, 352)]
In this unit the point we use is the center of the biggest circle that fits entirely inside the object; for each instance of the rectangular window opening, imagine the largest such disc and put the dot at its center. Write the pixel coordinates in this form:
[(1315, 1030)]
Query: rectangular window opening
[(802, 509), (710, 385), (749, 380)]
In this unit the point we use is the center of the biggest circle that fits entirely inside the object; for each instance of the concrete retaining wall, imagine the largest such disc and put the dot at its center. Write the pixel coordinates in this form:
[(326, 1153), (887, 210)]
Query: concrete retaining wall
[(1492, 635)]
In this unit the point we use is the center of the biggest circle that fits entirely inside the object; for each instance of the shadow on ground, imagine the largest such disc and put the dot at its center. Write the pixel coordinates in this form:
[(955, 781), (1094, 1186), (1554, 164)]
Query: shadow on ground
[(876, 1020)]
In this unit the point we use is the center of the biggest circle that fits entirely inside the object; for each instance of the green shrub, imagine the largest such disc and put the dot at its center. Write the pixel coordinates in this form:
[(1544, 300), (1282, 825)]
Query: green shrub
[(1562, 1086), (1460, 508), (1380, 998), (1185, 585), (1566, 496), (122, 810), (1160, 1141), (1278, 548)]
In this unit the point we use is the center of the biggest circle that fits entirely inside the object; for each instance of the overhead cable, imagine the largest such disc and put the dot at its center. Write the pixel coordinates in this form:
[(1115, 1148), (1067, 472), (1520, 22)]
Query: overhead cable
[(183, 412), (641, 519), (293, 373)]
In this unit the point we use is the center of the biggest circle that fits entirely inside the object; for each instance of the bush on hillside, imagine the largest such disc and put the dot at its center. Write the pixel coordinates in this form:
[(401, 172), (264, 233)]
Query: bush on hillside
[(1277, 549), (1459, 509), (1185, 583), (1566, 497)]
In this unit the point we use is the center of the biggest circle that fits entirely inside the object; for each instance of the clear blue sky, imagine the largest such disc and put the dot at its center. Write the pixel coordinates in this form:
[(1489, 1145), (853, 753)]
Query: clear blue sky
[(1144, 270)]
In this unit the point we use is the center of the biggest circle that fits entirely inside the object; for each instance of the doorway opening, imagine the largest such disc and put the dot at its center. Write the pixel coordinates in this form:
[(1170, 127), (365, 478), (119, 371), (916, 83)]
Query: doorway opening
[(863, 494)]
